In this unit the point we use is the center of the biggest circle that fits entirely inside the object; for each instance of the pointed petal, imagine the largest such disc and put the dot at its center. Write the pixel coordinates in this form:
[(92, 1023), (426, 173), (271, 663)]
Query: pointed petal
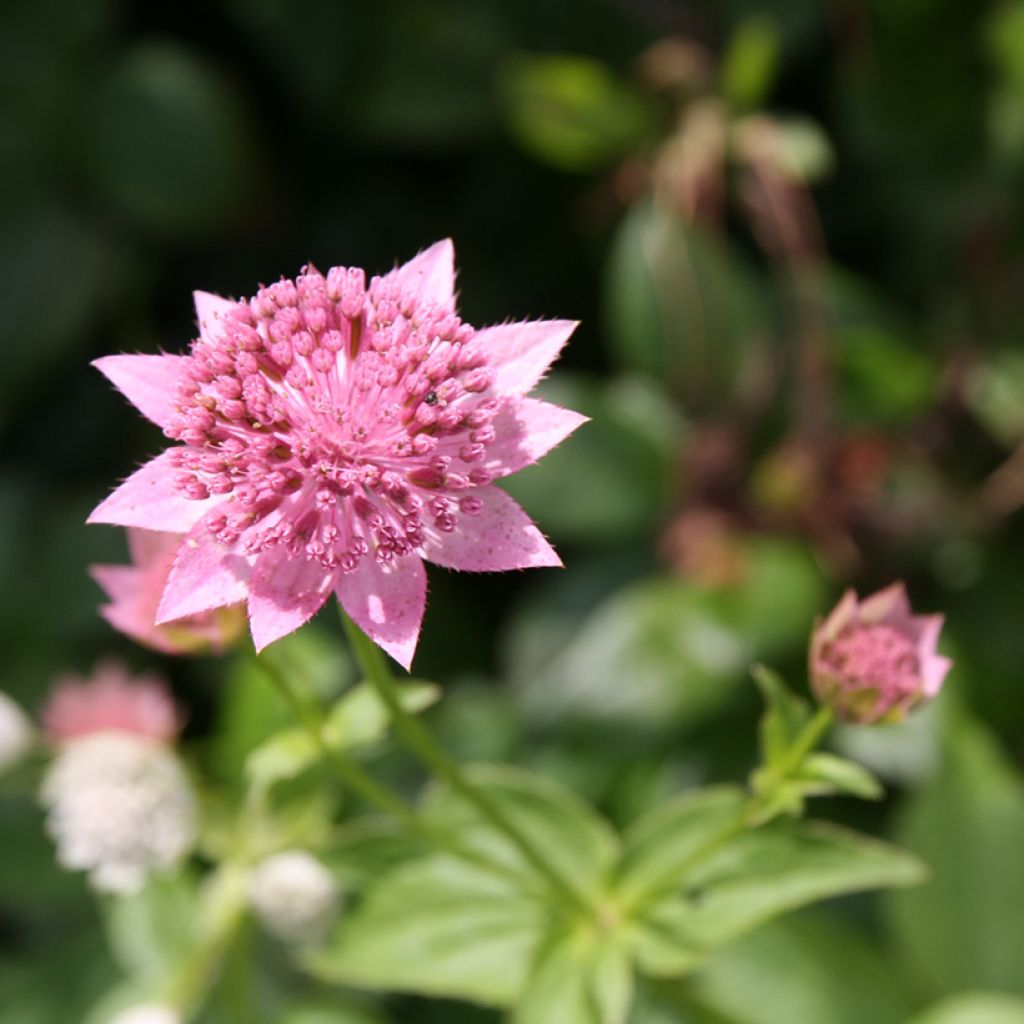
[(205, 575), (502, 536), (285, 593), (119, 582), (526, 429), (150, 548), (521, 353), (387, 600), (431, 274), (148, 382), (209, 309), (148, 498)]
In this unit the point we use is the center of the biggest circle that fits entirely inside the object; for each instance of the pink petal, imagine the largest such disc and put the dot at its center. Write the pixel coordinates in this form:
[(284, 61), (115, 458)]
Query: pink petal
[(285, 592), (521, 353), (148, 382), (149, 498), (119, 582), (205, 575), (890, 605), (501, 537), (430, 275), (526, 429), (386, 600), (209, 309), (149, 547)]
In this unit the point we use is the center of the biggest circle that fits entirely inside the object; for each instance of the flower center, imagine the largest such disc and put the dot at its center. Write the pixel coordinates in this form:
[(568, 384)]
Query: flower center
[(878, 656), (335, 419)]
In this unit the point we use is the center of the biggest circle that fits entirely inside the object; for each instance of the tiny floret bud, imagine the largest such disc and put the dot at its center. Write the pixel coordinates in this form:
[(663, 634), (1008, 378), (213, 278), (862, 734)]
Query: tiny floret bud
[(148, 1013), (16, 733), (294, 896), (873, 661)]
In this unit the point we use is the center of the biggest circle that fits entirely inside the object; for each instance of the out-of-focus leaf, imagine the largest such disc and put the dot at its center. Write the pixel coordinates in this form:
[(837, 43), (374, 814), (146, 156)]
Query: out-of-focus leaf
[(809, 967), (438, 927), (331, 1013), (749, 877), (965, 928), (995, 392), (1004, 37), (614, 477), (750, 63), (367, 847), (683, 308), (974, 1008), (663, 651), (172, 147), (572, 112), (579, 978), (784, 717), (826, 773), (155, 928)]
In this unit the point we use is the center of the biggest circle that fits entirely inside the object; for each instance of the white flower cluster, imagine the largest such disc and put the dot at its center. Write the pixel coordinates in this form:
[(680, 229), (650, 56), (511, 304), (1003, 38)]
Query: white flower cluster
[(294, 896), (120, 807), (148, 1013), (16, 733)]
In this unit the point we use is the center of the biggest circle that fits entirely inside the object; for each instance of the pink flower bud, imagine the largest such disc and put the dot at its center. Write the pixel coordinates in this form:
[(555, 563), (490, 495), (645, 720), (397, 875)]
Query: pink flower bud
[(874, 660)]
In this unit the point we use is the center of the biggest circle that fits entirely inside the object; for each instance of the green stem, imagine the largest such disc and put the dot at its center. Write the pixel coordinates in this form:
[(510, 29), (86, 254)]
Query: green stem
[(808, 739), (422, 743)]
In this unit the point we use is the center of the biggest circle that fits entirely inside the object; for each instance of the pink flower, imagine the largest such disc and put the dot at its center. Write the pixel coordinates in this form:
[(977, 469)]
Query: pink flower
[(333, 435), (135, 591), (111, 700), (874, 660)]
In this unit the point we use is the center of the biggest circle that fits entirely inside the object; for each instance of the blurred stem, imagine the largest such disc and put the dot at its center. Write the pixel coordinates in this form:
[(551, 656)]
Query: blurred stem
[(311, 718), (422, 743)]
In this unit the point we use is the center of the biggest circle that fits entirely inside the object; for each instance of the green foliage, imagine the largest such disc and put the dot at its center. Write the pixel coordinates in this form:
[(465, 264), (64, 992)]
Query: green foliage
[(750, 63), (974, 1008)]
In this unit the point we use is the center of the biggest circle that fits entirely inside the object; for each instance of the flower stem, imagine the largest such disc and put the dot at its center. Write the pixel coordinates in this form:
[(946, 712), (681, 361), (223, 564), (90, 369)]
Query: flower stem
[(421, 742)]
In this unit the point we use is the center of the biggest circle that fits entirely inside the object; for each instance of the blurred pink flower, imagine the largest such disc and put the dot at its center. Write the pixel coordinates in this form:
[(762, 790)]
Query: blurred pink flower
[(332, 437), (135, 591), (111, 700), (874, 660)]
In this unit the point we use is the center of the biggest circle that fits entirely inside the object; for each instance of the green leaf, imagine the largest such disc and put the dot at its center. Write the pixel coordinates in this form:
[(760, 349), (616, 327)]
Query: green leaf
[(357, 719), (750, 63), (568, 833), (784, 718), (572, 112), (580, 977), (155, 928), (807, 967), (438, 927), (965, 928), (756, 876), (828, 773), (974, 1008)]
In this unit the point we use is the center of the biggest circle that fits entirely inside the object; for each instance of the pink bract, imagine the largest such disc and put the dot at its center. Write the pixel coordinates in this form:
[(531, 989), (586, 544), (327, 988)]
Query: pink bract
[(874, 660), (111, 700), (135, 592), (333, 435)]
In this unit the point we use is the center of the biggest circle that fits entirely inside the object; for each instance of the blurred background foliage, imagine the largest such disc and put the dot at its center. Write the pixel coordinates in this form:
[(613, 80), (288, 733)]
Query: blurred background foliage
[(793, 235)]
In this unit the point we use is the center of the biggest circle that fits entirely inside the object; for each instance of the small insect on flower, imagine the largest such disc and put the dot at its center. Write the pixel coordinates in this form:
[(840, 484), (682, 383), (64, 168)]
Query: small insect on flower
[(331, 436), (119, 804), (874, 660)]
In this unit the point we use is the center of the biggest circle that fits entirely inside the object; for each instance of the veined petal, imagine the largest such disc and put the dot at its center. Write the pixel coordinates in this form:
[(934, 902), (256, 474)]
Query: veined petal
[(386, 600), (526, 429), (521, 353), (500, 537), (205, 575), (285, 592), (150, 499), (430, 275), (209, 309), (147, 381)]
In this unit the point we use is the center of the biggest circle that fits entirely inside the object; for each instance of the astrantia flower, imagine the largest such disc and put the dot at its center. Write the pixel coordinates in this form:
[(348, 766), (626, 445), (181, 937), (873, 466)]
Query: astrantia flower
[(294, 895), (120, 805), (135, 591), (874, 660), (16, 733), (332, 436)]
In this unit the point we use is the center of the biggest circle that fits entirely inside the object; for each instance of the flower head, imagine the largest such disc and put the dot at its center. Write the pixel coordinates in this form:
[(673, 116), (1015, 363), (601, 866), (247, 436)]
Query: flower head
[(135, 591), (874, 660), (16, 733), (119, 803), (331, 435), (295, 896)]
